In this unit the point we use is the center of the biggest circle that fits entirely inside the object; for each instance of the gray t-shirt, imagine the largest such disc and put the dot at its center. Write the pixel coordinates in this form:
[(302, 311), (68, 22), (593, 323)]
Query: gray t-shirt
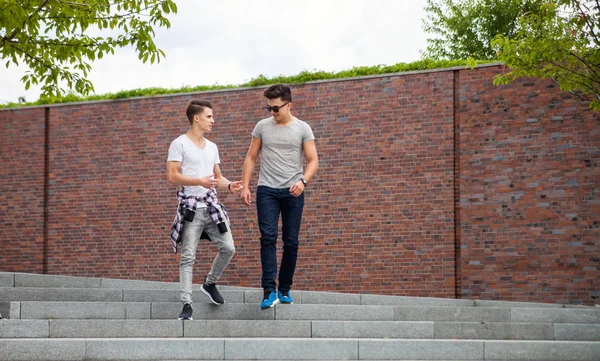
[(282, 152)]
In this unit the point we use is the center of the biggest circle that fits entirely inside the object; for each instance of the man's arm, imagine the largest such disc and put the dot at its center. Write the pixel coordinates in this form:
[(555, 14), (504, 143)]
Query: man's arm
[(223, 184), (312, 160), (175, 176), (248, 168)]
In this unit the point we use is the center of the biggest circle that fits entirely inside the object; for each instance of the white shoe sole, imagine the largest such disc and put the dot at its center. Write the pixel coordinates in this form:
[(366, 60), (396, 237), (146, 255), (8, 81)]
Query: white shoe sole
[(273, 305)]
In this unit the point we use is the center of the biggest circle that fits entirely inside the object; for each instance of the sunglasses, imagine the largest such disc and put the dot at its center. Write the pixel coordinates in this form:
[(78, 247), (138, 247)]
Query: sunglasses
[(275, 108)]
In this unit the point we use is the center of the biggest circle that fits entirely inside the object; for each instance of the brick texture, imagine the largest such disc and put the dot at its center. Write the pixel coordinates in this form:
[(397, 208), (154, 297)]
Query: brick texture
[(433, 184), (529, 205), (22, 150)]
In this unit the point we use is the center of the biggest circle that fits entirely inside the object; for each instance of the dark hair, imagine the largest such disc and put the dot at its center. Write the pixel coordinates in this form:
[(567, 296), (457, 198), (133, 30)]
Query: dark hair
[(196, 106), (279, 91)]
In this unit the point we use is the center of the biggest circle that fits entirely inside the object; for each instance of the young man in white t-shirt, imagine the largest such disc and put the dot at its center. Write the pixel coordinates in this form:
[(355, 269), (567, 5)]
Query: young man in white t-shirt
[(193, 164)]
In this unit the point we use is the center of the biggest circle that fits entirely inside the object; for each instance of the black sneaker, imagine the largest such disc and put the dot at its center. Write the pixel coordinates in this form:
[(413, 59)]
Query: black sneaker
[(186, 313), (212, 293)]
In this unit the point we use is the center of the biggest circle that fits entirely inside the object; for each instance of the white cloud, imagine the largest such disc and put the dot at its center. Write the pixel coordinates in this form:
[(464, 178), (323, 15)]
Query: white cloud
[(233, 41)]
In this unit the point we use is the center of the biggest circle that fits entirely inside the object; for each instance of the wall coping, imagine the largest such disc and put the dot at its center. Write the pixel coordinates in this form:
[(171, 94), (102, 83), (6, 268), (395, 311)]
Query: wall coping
[(405, 73)]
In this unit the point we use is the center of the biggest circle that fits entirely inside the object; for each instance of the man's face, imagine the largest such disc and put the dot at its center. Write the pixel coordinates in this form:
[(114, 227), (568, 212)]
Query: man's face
[(205, 120), (282, 107)]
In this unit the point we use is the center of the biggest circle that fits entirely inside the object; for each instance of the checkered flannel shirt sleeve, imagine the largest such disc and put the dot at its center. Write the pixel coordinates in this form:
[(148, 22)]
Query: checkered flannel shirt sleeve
[(215, 209), (176, 228)]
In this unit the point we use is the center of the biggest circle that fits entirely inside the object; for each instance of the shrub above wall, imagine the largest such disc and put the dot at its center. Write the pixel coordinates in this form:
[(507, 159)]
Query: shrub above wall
[(302, 78)]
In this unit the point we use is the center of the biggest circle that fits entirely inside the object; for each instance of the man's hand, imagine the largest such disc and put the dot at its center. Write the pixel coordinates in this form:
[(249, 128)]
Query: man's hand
[(246, 196), (208, 182), (236, 187), (297, 189)]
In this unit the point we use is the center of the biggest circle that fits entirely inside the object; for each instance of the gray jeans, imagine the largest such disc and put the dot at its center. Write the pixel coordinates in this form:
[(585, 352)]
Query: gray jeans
[(190, 239)]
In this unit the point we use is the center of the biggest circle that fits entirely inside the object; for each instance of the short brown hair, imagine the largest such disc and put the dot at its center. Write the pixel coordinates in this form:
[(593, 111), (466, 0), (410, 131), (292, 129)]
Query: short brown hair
[(279, 91), (196, 106)]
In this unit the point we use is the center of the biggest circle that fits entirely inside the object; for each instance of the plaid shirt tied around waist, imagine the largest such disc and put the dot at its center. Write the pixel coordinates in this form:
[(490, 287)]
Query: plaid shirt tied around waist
[(215, 209)]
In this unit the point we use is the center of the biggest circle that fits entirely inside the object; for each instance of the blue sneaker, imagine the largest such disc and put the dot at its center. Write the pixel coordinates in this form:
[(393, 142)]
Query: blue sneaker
[(284, 297), (269, 301)]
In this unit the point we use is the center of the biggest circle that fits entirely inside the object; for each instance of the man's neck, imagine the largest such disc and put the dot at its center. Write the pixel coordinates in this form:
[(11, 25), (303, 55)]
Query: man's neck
[(195, 134), (284, 121)]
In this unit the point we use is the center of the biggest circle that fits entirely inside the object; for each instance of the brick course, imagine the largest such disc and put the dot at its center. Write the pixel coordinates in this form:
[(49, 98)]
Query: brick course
[(434, 184), (22, 149), (529, 204)]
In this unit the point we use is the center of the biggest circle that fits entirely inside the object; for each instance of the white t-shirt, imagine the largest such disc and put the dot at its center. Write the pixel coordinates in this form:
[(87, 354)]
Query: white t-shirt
[(195, 162)]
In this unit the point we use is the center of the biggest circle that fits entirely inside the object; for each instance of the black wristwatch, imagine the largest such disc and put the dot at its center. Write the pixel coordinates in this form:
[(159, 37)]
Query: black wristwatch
[(304, 181)]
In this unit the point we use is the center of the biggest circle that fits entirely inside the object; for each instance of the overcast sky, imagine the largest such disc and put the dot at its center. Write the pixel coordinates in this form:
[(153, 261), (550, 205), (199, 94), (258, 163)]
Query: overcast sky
[(232, 41)]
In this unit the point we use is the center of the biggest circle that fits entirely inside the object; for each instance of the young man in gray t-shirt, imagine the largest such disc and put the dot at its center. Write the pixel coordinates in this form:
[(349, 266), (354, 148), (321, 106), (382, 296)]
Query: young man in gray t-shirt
[(283, 142)]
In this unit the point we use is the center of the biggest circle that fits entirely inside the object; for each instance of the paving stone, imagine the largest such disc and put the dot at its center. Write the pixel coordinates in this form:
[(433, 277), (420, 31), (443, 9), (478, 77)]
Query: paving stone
[(297, 349), (329, 298), (467, 314), (115, 328), (542, 350), (10, 310), (29, 349), (55, 281), (84, 310), (512, 304), (157, 295), (209, 311), (372, 329), (420, 350), (577, 332), (24, 328), (60, 294), (334, 312), (247, 328), (413, 301), (552, 315), (493, 330), (7, 279), (155, 349)]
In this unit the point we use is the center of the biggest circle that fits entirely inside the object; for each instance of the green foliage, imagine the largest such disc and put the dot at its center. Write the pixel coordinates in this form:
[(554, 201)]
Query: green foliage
[(261, 80), (465, 28), (53, 37), (560, 42)]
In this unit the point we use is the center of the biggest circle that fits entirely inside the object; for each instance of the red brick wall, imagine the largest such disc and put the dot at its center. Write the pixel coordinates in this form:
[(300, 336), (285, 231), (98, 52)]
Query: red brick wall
[(380, 216), (529, 205), (22, 150)]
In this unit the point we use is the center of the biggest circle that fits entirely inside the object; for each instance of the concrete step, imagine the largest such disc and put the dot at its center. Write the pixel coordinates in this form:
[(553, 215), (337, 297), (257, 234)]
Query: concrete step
[(234, 295), (65, 328), (108, 295), (293, 348), (251, 295), (15, 279), (78, 318), (251, 311)]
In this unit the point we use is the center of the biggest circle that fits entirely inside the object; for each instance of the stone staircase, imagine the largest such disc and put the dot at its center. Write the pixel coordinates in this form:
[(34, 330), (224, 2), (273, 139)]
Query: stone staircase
[(50, 318)]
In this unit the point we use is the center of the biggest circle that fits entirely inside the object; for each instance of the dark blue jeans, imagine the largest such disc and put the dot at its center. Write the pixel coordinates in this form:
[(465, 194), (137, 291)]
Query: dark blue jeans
[(270, 202)]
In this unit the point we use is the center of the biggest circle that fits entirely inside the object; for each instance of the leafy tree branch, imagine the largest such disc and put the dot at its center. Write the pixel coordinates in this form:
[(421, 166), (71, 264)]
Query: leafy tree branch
[(51, 37), (558, 42)]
